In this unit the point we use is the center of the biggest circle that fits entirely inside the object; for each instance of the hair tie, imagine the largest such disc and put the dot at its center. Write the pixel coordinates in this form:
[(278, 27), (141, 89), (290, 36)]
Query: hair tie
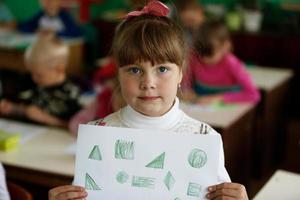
[(155, 8)]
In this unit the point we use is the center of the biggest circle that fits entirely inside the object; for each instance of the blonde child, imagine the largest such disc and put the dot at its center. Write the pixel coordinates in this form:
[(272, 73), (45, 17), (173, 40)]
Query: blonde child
[(55, 98), (214, 73), (149, 49), (52, 18)]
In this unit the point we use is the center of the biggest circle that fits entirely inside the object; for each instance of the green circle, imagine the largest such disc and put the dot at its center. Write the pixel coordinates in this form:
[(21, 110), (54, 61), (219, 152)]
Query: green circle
[(197, 158), (122, 177)]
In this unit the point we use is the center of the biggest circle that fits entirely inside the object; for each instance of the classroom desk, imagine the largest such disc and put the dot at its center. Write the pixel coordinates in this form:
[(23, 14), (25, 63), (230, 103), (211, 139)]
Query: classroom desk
[(43, 160), (234, 123), (13, 45), (273, 84), (283, 185)]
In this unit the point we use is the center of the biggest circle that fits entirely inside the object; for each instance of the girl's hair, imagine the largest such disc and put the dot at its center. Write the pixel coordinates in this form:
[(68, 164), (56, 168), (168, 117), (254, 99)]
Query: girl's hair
[(210, 34), (148, 38), (47, 51)]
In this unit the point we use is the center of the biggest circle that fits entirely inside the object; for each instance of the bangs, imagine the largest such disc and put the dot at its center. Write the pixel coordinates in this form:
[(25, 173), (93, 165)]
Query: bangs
[(149, 40)]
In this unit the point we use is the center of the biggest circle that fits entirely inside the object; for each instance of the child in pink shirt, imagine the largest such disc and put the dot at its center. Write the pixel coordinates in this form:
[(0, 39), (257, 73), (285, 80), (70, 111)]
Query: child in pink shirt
[(214, 74)]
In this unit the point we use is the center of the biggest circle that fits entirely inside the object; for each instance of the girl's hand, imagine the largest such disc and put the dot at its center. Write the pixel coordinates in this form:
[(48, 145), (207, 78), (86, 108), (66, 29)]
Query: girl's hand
[(67, 192), (228, 191)]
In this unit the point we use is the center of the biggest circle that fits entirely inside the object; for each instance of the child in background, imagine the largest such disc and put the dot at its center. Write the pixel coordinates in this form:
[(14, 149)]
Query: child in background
[(54, 99), (7, 21), (105, 102), (52, 19), (149, 50), (191, 16), (214, 73)]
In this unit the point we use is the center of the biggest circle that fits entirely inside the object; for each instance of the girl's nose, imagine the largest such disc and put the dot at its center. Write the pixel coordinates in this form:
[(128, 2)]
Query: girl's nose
[(147, 82)]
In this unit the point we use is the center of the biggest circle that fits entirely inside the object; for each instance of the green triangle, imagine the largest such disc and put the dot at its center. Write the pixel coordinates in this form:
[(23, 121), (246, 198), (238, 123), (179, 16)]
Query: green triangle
[(158, 162), (95, 153), (90, 184)]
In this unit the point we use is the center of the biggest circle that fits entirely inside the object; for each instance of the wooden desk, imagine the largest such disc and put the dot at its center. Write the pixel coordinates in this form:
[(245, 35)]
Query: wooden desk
[(282, 185), (13, 45), (234, 123), (273, 84), (42, 160)]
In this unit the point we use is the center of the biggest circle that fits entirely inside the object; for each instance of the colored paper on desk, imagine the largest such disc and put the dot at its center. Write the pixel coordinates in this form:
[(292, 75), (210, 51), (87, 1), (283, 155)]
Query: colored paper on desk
[(26, 131), (8, 141), (124, 163)]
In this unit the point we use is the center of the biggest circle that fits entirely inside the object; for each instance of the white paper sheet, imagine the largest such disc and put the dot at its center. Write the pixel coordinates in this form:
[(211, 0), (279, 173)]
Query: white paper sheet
[(27, 131), (122, 163)]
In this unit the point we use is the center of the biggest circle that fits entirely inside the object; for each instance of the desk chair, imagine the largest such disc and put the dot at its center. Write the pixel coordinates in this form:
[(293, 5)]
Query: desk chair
[(17, 192)]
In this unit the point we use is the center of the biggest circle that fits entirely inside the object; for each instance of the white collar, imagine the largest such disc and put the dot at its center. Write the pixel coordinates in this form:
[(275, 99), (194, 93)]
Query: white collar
[(134, 119)]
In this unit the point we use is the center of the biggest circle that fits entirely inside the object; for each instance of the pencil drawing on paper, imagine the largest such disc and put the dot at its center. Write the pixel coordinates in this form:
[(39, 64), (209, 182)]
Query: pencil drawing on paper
[(95, 153), (197, 158), (158, 162), (124, 150)]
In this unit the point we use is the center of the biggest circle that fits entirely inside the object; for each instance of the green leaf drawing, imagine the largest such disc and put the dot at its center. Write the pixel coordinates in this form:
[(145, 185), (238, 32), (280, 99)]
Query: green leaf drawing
[(169, 181), (124, 150)]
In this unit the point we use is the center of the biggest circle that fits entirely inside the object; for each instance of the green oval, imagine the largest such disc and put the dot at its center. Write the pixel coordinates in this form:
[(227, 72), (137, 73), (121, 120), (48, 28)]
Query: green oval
[(122, 177), (197, 158)]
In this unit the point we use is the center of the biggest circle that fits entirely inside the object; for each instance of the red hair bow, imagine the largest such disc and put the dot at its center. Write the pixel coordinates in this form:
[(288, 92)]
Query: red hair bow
[(155, 8)]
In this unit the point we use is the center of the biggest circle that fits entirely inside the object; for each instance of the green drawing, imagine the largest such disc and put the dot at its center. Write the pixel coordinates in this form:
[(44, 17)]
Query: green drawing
[(124, 150), (90, 184), (169, 181), (95, 153), (197, 158), (177, 198), (158, 162), (145, 182), (122, 177), (194, 190)]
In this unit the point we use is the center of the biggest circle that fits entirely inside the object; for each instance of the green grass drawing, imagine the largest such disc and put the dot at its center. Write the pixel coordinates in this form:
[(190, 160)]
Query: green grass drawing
[(95, 153), (90, 184), (194, 190), (122, 177), (197, 158), (124, 150), (144, 182), (169, 181), (158, 162)]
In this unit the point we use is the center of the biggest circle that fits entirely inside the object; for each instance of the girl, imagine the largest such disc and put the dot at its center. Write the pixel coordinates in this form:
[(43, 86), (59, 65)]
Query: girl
[(215, 74), (149, 49)]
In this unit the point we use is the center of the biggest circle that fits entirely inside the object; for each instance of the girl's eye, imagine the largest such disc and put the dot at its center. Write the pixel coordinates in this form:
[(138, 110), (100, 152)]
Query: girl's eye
[(134, 70), (162, 69)]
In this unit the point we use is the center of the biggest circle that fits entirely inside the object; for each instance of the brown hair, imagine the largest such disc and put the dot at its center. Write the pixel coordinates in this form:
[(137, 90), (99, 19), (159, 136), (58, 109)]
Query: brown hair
[(148, 38), (209, 34)]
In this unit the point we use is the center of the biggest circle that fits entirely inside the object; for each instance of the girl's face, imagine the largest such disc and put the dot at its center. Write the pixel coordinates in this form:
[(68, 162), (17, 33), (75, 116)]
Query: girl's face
[(45, 76), (51, 7), (219, 52), (150, 89)]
